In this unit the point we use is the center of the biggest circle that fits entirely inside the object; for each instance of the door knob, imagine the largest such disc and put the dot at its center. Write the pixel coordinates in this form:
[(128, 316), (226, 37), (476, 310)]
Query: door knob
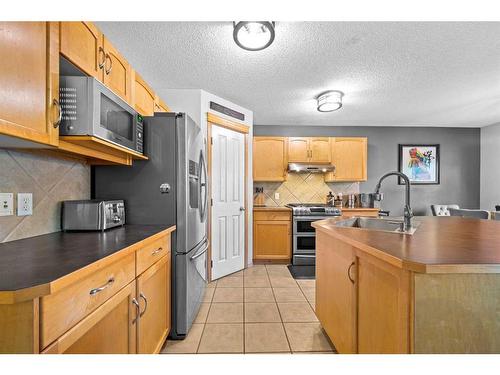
[(165, 188), (242, 208)]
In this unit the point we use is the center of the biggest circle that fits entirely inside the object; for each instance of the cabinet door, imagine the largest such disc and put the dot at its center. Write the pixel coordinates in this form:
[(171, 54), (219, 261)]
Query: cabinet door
[(82, 44), (383, 307), (298, 150), (272, 240), (336, 292), (143, 96), (117, 73), (153, 293), (320, 150), (269, 158), (349, 156), (29, 88), (111, 329)]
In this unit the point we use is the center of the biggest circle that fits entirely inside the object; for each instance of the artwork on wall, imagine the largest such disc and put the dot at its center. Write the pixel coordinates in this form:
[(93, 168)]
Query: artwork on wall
[(420, 163)]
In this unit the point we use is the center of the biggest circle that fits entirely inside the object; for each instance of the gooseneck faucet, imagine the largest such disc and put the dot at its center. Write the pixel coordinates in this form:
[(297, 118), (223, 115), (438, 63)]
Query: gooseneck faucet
[(408, 213)]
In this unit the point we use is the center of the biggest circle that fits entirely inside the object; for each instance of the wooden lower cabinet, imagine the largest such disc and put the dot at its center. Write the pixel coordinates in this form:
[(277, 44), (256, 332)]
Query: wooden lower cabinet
[(272, 236), (111, 329), (336, 294), (362, 302), (153, 291)]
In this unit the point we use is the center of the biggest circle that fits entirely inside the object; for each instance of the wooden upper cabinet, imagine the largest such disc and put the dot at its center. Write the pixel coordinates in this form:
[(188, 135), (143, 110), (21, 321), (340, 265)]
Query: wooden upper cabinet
[(153, 294), (82, 44), (298, 150), (349, 156), (29, 88), (117, 72), (320, 150), (143, 96), (269, 158), (309, 150)]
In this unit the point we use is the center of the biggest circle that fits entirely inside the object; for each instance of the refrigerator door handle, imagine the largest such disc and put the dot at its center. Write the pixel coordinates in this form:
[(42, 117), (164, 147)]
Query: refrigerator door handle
[(203, 188), (203, 251)]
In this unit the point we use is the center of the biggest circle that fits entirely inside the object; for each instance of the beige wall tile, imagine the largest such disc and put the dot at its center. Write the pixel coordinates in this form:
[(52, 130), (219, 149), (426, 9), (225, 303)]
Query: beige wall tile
[(50, 179)]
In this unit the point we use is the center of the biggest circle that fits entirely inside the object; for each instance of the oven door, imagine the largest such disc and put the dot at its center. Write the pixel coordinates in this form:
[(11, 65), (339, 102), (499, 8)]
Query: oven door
[(113, 119), (302, 224)]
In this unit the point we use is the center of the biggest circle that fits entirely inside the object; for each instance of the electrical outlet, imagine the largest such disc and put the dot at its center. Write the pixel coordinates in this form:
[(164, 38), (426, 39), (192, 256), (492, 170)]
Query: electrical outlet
[(277, 196), (6, 204), (24, 204)]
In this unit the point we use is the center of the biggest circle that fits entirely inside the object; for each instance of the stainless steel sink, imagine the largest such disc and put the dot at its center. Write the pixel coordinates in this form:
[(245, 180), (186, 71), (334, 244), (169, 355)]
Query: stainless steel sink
[(377, 224)]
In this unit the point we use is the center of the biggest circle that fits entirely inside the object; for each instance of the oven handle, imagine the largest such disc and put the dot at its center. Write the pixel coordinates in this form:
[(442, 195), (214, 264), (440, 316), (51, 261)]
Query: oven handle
[(304, 256), (311, 218)]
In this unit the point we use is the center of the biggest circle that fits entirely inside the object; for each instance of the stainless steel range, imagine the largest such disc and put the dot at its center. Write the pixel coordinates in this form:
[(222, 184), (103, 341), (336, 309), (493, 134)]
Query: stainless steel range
[(303, 234)]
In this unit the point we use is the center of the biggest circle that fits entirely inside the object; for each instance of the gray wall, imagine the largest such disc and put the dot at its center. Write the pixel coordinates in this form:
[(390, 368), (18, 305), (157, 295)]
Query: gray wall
[(490, 166), (460, 161)]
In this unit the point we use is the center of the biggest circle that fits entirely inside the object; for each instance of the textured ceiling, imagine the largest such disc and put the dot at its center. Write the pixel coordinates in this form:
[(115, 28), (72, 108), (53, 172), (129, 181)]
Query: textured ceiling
[(410, 74)]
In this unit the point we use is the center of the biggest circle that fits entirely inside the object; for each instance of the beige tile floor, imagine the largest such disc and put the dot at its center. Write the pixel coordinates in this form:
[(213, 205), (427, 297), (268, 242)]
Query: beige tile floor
[(261, 309)]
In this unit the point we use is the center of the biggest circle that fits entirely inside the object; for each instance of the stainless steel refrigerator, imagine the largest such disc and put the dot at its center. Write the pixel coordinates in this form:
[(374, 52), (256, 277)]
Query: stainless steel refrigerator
[(169, 189)]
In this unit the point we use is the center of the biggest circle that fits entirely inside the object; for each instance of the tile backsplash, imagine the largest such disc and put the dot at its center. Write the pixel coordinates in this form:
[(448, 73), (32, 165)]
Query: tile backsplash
[(303, 188), (50, 179)]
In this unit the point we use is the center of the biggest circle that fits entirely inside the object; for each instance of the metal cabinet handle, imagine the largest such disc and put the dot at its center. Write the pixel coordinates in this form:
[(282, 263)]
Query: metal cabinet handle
[(59, 111), (349, 272), (138, 310), (102, 55), (101, 288), (145, 304), (108, 58), (157, 251)]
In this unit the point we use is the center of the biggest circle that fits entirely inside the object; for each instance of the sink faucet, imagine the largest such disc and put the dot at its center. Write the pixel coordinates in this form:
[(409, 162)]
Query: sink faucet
[(408, 213)]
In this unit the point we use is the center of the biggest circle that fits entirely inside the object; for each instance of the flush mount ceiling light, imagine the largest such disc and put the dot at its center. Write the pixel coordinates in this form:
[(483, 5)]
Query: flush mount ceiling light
[(330, 101), (253, 35)]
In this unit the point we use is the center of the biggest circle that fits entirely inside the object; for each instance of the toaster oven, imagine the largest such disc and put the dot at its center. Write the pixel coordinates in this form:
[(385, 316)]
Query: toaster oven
[(97, 215)]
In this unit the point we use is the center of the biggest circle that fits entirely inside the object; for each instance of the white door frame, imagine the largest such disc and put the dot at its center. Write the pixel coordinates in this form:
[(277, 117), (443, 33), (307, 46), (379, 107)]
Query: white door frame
[(239, 128)]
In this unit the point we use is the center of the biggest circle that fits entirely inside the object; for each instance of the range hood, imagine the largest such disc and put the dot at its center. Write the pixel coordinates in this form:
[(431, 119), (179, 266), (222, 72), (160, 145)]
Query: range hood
[(310, 168)]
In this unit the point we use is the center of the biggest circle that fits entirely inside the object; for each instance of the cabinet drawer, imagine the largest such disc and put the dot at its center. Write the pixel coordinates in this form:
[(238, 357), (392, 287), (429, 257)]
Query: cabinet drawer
[(151, 253), (272, 215), (62, 310)]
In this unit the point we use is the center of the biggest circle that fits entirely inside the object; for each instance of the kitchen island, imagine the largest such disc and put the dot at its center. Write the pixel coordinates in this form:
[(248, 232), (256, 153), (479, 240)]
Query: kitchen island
[(436, 291)]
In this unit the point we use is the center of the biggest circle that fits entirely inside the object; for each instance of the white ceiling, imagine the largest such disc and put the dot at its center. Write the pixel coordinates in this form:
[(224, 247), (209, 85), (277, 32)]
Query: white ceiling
[(409, 74)]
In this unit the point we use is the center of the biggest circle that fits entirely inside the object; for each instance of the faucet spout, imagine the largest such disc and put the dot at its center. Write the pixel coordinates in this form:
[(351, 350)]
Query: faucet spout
[(408, 212)]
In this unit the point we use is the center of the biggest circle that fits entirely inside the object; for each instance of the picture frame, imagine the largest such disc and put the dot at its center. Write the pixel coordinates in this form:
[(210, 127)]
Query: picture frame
[(420, 162)]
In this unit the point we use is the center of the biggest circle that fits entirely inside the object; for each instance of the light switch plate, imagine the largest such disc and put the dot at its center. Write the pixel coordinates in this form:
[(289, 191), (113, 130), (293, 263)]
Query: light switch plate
[(277, 196), (6, 204), (24, 204)]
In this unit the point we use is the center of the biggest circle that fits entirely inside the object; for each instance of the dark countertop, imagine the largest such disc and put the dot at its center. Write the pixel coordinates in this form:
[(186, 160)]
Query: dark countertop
[(439, 245), (42, 259)]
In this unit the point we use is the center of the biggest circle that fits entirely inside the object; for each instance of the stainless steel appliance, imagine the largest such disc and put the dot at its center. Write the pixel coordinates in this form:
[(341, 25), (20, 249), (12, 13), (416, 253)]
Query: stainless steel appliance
[(169, 189), (92, 214), (90, 108), (303, 234)]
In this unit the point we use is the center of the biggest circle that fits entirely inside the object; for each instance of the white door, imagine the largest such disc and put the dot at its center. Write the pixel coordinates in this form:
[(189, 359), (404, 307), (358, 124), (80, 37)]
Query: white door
[(228, 209)]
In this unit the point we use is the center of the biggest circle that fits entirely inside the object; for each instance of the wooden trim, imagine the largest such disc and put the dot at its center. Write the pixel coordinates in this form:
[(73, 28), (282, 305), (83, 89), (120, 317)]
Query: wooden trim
[(9, 297), (228, 124), (88, 141), (239, 129)]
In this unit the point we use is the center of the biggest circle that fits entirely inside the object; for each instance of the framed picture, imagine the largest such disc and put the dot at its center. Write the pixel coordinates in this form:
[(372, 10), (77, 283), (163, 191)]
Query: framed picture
[(420, 163)]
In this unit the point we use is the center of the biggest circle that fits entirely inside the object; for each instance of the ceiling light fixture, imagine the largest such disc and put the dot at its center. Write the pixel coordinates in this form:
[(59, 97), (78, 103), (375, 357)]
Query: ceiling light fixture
[(253, 35), (330, 101)]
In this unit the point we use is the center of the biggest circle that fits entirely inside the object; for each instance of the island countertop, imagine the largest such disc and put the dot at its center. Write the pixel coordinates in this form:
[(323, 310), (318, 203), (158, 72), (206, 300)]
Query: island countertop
[(30, 265), (439, 245)]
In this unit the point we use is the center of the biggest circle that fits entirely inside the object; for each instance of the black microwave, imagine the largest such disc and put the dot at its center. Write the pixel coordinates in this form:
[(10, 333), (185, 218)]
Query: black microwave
[(90, 108)]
